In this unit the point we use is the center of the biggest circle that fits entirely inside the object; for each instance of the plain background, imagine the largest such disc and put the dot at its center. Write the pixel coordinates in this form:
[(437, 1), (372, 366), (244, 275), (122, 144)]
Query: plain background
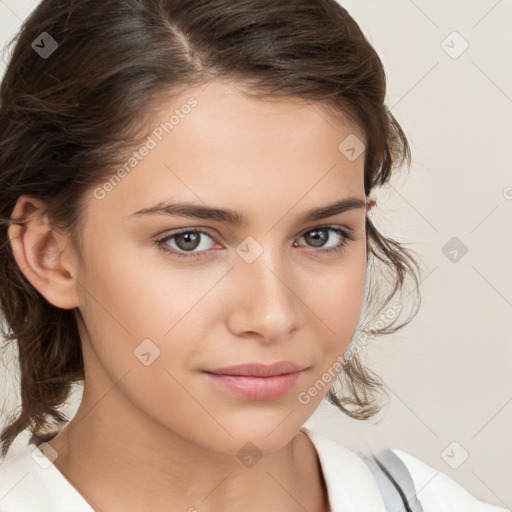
[(448, 372)]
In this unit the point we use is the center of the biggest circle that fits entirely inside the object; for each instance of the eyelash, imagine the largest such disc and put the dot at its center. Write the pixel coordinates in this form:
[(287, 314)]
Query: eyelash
[(338, 249)]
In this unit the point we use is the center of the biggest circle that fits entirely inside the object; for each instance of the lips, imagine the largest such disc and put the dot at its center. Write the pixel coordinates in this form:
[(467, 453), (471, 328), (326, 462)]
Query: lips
[(255, 388), (259, 369)]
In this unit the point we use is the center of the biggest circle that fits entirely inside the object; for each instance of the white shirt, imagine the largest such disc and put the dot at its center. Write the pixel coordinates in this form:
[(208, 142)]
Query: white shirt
[(30, 482)]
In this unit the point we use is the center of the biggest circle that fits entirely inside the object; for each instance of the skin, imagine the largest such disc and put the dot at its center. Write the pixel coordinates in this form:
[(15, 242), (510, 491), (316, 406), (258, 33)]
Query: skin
[(162, 437)]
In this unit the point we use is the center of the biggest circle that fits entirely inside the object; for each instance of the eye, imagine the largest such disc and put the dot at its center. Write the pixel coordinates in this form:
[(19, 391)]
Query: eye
[(318, 236), (187, 240)]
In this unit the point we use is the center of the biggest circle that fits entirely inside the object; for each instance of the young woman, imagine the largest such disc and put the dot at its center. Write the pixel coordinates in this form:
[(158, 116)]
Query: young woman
[(186, 189)]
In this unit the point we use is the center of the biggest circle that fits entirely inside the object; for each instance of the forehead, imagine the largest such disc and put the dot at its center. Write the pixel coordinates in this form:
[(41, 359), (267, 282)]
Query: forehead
[(223, 104), (214, 144)]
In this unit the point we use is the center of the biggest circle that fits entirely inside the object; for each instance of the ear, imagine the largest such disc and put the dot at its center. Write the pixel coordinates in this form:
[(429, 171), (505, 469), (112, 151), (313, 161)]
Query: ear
[(44, 256)]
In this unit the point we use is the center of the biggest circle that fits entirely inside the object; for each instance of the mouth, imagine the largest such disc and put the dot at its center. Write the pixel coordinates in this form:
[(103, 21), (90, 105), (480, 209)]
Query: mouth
[(256, 369), (251, 387)]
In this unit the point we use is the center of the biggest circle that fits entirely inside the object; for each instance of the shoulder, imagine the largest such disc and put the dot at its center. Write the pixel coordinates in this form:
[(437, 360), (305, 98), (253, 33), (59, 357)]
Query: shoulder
[(437, 491), (30, 482), (21, 487), (389, 478)]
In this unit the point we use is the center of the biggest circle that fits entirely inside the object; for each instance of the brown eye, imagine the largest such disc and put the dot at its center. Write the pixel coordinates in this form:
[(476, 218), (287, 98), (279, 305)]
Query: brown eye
[(317, 238), (185, 241)]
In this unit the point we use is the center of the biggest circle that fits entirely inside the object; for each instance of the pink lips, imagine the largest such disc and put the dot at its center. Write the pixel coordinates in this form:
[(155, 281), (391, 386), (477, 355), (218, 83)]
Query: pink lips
[(256, 381)]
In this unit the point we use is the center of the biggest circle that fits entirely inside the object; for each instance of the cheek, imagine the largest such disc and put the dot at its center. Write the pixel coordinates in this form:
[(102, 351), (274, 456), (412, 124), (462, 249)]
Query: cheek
[(129, 300), (339, 294), (138, 294), (142, 321), (140, 312), (339, 308)]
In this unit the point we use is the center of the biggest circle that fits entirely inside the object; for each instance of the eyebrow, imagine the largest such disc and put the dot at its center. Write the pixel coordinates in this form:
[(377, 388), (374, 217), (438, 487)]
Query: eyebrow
[(235, 218)]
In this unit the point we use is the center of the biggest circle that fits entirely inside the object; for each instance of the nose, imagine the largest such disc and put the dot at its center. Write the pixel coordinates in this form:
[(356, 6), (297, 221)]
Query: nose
[(266, 303)]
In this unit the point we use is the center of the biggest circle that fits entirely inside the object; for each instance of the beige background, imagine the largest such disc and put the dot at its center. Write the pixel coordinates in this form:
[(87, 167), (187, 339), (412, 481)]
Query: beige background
[(447, 373)]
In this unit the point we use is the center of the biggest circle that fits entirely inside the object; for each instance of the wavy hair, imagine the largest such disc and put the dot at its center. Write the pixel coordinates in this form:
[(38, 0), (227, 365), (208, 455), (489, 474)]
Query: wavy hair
[(69, 117)]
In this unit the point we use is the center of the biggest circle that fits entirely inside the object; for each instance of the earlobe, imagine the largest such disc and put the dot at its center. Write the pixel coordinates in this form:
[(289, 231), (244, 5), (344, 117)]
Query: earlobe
[(39, 253)]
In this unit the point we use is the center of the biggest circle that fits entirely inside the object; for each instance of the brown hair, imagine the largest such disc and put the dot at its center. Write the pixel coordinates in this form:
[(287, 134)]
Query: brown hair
[(67, 119)]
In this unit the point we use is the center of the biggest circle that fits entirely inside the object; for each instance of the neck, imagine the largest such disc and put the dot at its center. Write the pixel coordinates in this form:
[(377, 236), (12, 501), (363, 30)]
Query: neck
[(136, 465)]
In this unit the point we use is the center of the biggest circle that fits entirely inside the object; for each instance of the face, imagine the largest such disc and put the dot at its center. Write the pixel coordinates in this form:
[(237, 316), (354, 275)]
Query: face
[(168, 296)]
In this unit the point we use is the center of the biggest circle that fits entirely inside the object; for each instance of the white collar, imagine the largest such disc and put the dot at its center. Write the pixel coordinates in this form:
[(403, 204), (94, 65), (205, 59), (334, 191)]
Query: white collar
[(351, 486), (350, 483)]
